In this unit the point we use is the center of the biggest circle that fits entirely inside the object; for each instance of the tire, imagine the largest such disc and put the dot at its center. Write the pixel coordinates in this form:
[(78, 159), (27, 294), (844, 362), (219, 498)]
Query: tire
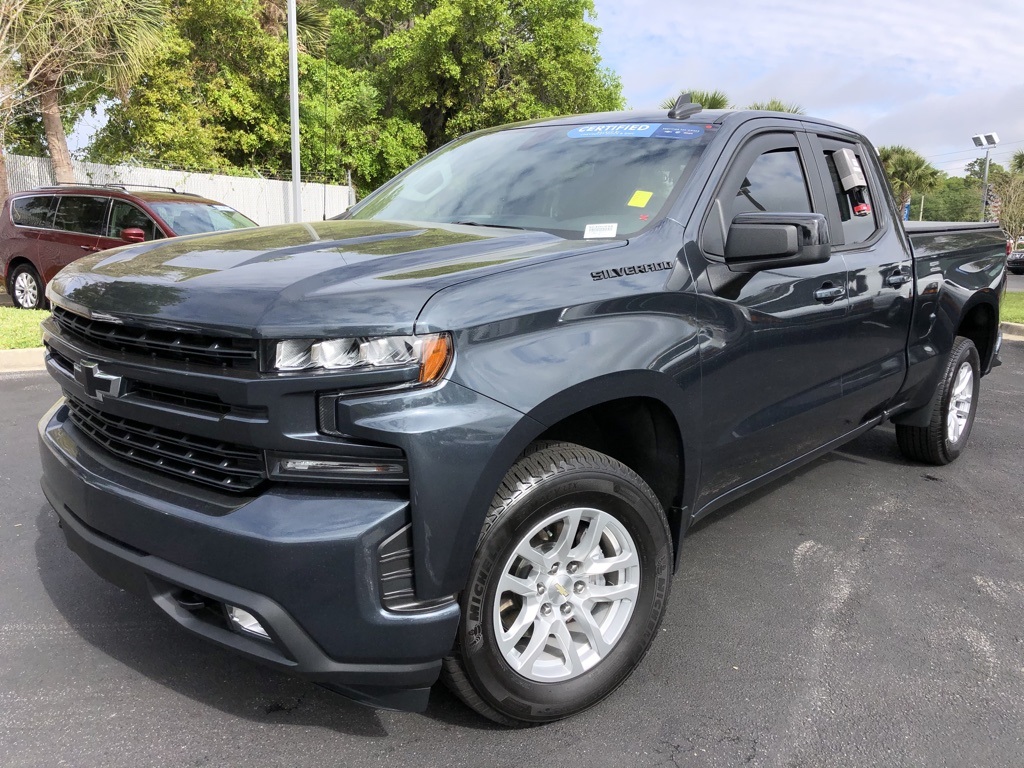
[(569, 627), (26, 288), (946, 435)]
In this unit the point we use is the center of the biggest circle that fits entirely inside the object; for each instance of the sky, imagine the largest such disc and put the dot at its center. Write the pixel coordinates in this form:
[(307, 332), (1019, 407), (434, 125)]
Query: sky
[(928, 74)]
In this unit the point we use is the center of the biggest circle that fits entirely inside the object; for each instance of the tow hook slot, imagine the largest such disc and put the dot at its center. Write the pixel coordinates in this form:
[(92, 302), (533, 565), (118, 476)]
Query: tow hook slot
[(189, 600)]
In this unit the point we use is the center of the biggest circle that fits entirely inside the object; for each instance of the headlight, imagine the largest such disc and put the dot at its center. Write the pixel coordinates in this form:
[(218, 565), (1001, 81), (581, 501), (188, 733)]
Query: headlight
[(431, 353)]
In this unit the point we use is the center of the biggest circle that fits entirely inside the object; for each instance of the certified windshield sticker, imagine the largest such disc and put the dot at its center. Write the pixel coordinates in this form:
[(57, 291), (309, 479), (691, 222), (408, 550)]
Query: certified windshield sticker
[(617, 130), (640, 199), (600, 230), (637, 131), (679, 132)]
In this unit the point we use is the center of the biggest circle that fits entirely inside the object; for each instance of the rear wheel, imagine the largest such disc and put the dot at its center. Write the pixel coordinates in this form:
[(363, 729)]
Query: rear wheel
[(27, 288), (946, 435), (566, 591)]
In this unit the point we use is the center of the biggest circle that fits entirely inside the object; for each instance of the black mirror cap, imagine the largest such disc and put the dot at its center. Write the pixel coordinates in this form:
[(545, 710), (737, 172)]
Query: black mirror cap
[(773, 240)]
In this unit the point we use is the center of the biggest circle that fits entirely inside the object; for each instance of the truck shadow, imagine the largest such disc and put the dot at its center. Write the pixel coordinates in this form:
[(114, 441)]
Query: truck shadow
[(134, 632)]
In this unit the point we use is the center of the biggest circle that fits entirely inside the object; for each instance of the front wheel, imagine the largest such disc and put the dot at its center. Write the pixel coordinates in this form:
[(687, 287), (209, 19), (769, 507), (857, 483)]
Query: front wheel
[(566, 591), (956, 403), (27, 288)]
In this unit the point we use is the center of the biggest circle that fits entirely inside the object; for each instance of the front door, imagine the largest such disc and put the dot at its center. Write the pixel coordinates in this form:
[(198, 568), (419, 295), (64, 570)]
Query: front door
[(773, 358), (78, 222)]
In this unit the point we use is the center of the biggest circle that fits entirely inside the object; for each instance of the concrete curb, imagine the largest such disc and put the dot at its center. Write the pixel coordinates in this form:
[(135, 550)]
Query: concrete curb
[(22, 360), (25, 360)]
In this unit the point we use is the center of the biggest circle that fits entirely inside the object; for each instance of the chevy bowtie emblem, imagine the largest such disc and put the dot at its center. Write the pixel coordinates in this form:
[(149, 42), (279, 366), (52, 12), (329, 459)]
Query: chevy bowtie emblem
[(97, 384)]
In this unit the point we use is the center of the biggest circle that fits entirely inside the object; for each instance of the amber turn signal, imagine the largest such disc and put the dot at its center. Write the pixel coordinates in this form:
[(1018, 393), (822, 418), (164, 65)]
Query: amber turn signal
[(435, 354)]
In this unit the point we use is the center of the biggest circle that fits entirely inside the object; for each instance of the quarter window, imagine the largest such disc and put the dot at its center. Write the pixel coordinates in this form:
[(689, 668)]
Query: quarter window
[(32, 212), (87, 215)]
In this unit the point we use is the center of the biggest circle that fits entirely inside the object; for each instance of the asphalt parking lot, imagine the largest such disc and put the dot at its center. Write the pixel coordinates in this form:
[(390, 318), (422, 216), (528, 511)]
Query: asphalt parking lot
[(865, 611)]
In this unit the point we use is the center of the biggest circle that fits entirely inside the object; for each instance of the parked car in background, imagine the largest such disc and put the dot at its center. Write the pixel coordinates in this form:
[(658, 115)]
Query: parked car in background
[(44, 230), (1015, 260)]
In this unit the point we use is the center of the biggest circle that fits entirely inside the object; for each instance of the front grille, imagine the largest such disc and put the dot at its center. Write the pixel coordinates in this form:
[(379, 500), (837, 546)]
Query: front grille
[(222, 465), (161, 343), (196, 401)]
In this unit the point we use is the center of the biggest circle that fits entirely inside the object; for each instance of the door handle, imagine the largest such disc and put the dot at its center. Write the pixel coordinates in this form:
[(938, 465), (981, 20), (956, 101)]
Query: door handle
[(896, 279), (826, 293), (90, 248)]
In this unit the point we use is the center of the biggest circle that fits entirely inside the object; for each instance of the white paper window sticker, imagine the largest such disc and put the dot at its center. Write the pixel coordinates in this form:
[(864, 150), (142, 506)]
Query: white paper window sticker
[(594, 231)]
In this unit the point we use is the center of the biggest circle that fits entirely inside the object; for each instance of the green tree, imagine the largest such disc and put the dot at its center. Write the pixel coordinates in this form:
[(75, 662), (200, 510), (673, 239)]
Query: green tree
[(777, 105), (101, 45), (955, 198), (708, 99), (1011, 206), (1017, 163), (908, 172)]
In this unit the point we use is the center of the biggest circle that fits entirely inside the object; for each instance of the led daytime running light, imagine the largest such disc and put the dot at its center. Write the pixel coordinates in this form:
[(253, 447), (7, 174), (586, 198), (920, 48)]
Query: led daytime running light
[(432, 353)]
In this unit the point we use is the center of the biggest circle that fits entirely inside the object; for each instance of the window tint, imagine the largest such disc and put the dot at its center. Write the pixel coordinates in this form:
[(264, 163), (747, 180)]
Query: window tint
[(126, 216), (194, 218), (82, 214), (32, 212), (857, 216), (774, 183)]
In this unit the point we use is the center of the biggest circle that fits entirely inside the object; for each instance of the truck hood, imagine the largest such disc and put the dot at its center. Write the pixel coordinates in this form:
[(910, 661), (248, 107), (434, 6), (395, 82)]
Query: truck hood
[(351, 277)]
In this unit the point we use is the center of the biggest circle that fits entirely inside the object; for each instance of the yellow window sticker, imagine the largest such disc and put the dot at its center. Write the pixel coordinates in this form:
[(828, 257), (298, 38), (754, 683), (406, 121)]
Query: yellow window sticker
[(640, 199)]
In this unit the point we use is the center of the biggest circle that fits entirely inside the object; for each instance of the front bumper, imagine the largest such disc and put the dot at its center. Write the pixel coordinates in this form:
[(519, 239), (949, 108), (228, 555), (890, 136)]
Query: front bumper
[(303, 561)]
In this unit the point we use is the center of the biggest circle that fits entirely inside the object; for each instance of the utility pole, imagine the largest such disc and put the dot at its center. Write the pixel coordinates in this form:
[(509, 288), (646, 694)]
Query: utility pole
[(987, 140), (293, 99)]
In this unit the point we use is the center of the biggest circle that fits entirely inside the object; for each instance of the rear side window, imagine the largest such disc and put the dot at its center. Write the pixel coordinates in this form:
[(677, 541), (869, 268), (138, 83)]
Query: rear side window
[(87, 215), (856, 211), (33, 212)]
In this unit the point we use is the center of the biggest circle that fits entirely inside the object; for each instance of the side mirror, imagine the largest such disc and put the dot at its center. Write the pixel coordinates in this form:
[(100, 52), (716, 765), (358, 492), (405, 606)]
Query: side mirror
[(777, 240), (133, 235)]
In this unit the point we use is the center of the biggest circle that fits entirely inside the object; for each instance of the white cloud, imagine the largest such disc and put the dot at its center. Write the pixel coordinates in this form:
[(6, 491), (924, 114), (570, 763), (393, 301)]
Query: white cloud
[(925, 74)]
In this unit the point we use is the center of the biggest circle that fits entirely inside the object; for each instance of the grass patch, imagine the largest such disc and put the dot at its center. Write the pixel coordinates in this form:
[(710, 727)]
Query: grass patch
[(19, 328), (1012, 308)]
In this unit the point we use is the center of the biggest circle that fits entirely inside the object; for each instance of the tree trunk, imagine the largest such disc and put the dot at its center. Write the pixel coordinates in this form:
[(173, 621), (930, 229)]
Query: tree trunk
[(56, 141), (4, 189)]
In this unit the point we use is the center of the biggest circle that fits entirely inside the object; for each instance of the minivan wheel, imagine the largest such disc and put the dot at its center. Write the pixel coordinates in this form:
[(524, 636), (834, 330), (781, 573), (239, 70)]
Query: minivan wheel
[(26, 288), (567, 588), (945, 437)]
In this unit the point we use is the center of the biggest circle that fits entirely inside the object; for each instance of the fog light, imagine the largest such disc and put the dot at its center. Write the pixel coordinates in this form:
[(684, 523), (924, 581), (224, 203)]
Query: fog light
[(244, 622), (343, 468)]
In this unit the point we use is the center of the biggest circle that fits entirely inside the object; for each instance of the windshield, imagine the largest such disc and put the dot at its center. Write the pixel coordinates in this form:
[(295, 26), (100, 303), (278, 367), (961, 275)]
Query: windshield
[(188, 218), (594, 180)]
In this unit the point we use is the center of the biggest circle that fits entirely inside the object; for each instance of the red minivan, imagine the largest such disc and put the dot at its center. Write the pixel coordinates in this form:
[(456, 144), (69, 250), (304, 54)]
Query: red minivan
[(44, 230)]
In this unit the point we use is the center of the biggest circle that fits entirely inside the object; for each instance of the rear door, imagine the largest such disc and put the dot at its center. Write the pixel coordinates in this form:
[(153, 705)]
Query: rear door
[(773, 364), (879, 282), (78, 222)]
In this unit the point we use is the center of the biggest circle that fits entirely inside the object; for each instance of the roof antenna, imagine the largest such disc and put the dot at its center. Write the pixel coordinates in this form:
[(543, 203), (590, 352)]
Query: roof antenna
[(684, 107)]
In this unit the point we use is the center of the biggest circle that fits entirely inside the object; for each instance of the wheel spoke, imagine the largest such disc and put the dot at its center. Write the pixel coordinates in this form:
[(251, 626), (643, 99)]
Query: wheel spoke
[(517, 586), (591, 538), (613, 592), (536, 646), (604, 565), (531, 555), (568, 645), (595, 636), (527, 617), (570, 524)]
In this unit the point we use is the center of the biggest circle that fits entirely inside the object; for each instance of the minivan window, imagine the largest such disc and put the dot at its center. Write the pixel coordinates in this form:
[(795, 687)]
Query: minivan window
[(124, 215), (193, 218), (87, 215), (33, 212)]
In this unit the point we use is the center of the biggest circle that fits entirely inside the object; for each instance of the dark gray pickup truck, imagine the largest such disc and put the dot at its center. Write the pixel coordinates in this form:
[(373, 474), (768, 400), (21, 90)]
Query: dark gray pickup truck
[(462, 432)]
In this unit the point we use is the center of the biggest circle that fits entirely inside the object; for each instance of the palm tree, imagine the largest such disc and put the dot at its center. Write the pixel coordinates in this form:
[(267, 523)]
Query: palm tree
[(908, 172), (707, 99), (104, 43), (777, 105), (1017, 162)]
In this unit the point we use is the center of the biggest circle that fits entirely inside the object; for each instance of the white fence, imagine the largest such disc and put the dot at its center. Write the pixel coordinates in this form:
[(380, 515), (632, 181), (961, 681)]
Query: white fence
[(265, 201)]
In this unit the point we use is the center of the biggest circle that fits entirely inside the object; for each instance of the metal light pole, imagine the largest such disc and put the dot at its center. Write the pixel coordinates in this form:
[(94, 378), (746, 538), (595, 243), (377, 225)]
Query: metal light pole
[(987, 140), (293, 99)]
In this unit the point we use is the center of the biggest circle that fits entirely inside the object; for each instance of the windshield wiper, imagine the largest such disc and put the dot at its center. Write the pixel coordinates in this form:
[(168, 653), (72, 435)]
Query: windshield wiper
[(482, 224)]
